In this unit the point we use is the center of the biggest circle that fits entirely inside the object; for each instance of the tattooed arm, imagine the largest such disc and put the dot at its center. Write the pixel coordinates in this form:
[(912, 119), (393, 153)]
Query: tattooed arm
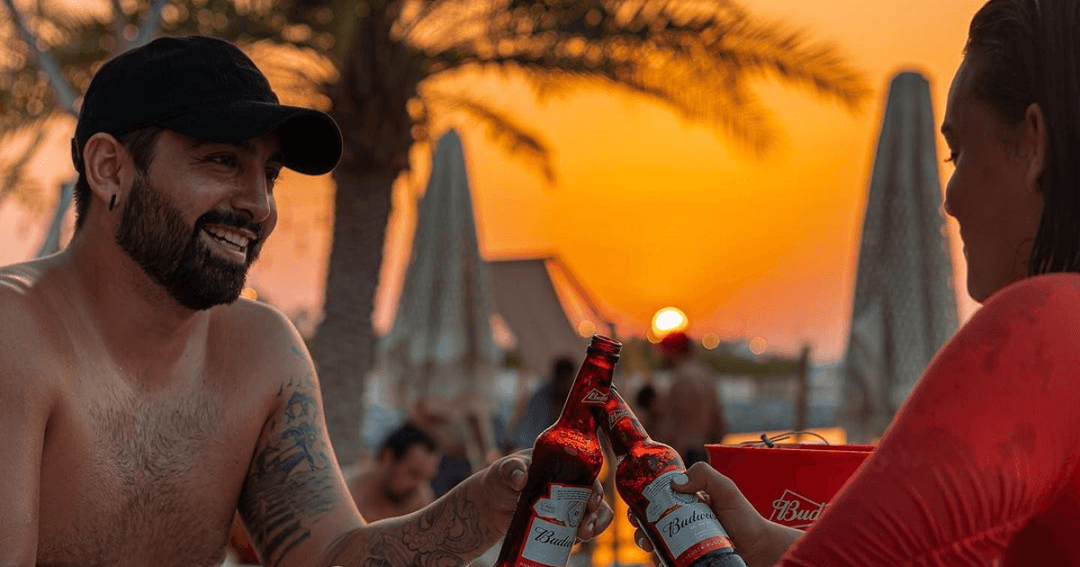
[(453, 530), (294, 501), (297, 508)]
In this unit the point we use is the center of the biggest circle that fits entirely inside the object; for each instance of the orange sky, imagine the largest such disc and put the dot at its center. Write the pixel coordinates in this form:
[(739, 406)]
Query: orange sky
[(649, 211)]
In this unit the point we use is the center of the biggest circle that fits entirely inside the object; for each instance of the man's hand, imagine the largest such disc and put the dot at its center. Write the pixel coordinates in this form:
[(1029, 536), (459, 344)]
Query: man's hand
[(502, 483), (760, 542)]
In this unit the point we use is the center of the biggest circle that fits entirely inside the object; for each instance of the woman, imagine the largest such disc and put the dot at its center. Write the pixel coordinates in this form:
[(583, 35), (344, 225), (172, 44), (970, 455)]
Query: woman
[(980, 466)]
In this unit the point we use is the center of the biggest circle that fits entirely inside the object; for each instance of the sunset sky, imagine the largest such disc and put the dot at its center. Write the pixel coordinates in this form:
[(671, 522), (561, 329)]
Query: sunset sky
[(649, 211)]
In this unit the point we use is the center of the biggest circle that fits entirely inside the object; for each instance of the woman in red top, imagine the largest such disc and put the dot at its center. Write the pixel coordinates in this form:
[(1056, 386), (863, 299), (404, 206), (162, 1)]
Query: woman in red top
[(980, 466)]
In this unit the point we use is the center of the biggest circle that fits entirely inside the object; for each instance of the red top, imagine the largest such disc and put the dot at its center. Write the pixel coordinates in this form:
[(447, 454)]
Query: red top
[(979, 467)]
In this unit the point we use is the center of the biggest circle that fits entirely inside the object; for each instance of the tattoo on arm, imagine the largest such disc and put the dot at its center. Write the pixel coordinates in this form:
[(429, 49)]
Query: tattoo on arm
[(445, 534), (291, 475)]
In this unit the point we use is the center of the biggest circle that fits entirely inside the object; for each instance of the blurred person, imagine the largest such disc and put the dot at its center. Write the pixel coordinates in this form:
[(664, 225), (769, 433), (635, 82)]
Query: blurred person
[(647, 405), (544, 404), (689, 412), (464, 444), (147, 402), (399, 481), (981, 465)]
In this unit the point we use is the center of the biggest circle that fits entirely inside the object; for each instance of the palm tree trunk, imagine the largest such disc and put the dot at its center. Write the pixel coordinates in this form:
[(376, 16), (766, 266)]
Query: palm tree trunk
[(344, 341), (379, 75)]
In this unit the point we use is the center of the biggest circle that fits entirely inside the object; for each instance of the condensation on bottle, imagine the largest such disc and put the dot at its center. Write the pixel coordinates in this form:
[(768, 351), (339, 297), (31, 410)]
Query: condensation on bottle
[(566, 460), (682, 528)]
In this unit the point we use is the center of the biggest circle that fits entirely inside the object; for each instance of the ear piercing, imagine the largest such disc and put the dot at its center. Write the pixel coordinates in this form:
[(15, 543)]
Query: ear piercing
[(112, 202)]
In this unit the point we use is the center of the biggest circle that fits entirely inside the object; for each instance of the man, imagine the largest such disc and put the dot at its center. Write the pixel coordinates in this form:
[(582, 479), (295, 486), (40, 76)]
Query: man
[(144, 401), (690, 412), (545, 404), (399, 482)]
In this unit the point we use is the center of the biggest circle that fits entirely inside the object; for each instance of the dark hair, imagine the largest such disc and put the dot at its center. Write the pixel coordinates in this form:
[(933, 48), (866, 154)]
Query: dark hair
[(1022, 52), (563, 370), (646, 396), (405, 436), (139, 143)]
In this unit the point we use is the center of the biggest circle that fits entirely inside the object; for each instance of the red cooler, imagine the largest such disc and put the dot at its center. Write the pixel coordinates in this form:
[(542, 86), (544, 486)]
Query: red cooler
[(788, 484)]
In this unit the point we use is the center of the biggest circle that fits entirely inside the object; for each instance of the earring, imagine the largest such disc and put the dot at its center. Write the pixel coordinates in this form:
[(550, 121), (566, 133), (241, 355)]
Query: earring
[(112, 202)]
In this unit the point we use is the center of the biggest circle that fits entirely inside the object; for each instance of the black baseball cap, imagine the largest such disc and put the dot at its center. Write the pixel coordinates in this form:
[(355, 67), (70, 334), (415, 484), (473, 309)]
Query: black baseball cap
[(207, 89)]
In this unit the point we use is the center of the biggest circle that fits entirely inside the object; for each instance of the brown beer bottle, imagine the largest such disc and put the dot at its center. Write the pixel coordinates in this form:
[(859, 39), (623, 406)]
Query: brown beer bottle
[(682, 528), (566, 460)]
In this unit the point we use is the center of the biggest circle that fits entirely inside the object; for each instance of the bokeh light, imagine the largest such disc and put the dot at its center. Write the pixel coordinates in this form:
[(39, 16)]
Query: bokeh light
[(249, 293), (758, 345), (710, 340), (586, 328)]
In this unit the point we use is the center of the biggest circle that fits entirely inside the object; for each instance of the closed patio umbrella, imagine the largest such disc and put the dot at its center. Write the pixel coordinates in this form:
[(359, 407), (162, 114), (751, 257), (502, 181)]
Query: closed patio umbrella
[(440, 348), (905, 303)]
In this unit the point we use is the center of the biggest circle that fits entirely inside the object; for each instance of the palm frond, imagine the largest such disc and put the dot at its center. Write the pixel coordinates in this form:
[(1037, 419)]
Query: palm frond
[(773, 49), (723, 102), (696, 89), (300, 76), (648, 45), (500, 127)]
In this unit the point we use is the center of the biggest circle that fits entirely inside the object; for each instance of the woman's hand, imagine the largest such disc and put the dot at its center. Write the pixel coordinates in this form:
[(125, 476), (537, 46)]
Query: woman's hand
[(760, 542)]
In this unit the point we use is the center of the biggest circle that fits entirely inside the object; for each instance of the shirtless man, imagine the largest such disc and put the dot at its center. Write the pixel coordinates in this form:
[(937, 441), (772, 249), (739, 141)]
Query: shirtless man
[(145, 401), (399, 481)]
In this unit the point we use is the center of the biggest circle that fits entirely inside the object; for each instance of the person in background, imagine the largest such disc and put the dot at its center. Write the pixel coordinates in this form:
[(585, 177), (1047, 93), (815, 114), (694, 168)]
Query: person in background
[(647, 406), (981, 464), (399, 481), (545, 404), (689, 411)]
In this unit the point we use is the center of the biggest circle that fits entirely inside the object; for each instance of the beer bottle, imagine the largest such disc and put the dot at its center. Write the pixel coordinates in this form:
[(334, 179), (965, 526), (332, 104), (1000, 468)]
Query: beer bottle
[(566, 460), (682, 528)]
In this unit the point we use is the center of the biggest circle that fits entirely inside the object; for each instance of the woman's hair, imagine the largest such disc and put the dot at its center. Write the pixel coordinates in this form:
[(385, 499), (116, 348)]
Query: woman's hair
[(1028, 51), (139, 143)]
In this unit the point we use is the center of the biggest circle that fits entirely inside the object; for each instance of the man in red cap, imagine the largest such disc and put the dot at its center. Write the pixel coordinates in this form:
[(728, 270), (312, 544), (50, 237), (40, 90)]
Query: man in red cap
[(146, 401), (690, 412)]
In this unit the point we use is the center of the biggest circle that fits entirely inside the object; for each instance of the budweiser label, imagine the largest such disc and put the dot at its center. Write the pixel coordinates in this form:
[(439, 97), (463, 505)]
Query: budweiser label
[(616, 415), (795, 510), (687, 526), (595, 397), (553, 527)]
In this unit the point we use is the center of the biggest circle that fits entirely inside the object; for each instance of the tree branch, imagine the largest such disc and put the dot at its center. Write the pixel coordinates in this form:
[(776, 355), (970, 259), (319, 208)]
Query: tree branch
[(45, 61), (118, 26), (152, 23)]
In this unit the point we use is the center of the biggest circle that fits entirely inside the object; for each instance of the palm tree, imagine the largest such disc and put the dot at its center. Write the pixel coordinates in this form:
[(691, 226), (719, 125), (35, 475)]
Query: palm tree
[(696, 57)]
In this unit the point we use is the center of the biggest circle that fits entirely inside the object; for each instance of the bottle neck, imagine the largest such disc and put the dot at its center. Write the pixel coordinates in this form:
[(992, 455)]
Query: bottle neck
[(590, 391), (622, 427)]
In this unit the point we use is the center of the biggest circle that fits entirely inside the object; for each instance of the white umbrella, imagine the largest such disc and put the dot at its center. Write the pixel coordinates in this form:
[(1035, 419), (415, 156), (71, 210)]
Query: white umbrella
[(905, 303), (440, 347)]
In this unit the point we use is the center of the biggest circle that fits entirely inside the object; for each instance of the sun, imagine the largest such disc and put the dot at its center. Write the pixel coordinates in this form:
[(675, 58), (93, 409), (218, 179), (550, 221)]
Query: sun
[(668, 320)]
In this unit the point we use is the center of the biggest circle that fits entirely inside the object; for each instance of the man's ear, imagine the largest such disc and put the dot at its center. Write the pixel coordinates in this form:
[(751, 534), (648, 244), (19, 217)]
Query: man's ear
[(1034, 140), (108, 167)]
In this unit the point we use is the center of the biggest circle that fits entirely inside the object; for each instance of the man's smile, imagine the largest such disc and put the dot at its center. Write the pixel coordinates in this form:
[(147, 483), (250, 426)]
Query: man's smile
[(232, 242)]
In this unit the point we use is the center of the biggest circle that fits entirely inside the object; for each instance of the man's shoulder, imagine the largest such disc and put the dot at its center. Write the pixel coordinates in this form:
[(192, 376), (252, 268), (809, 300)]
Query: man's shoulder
[(25, 306), (254, 320), (29, 333), (256, 330)]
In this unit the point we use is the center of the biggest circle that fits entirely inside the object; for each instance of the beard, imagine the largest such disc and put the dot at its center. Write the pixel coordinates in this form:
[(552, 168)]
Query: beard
[(151, 232)]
